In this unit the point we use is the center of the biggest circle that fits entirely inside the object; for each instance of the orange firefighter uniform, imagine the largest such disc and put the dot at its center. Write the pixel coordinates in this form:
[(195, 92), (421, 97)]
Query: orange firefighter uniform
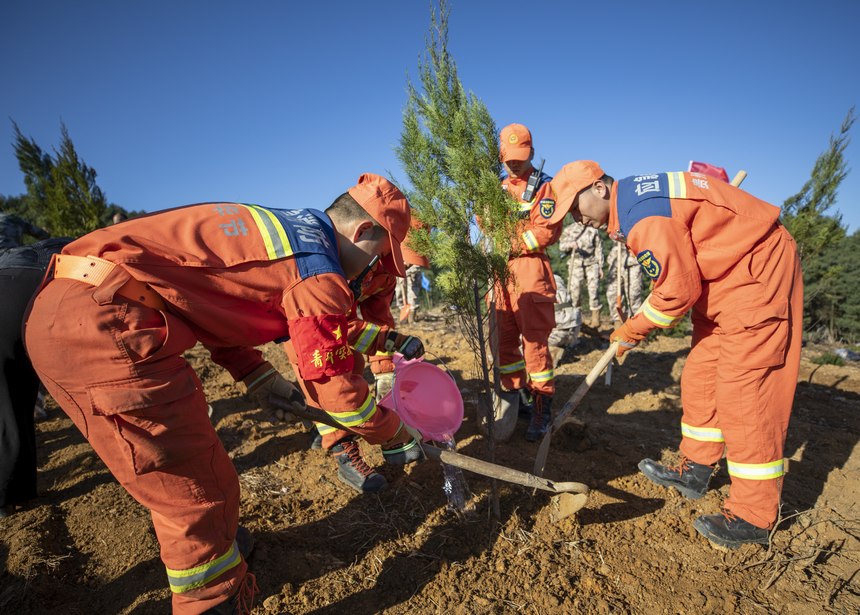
[(107, 335), (709, 246), (366, 336), (370, 321), (525, 306)]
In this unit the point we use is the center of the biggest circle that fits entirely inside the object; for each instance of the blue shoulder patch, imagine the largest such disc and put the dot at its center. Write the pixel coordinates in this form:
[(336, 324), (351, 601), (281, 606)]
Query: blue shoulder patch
[(312, 240), (640, 197)]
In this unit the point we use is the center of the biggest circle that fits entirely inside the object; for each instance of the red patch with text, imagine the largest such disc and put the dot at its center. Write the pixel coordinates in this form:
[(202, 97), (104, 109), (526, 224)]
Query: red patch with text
[(321, 345)]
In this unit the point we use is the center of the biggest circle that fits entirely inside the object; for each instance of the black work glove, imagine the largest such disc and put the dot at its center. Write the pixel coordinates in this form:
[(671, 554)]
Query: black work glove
[(408, 345)]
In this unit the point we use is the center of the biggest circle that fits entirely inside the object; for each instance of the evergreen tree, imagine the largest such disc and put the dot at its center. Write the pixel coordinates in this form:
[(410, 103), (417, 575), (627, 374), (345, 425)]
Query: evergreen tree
[(805, 213), (448, 148), (62, 189), (819, 235), (36, 166)]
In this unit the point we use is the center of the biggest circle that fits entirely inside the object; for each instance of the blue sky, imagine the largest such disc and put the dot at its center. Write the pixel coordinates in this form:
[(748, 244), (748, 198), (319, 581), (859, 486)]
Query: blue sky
[(286, 103)]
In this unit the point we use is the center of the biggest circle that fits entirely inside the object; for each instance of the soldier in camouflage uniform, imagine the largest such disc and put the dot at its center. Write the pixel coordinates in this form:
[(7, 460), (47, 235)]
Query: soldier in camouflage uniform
[(13, 229), (631, 283), (407, 289), (565, 334), (586, 263)]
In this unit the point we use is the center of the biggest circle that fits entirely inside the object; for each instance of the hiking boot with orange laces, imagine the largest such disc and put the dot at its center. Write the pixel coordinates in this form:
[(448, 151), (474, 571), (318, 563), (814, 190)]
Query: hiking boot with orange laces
[(541, 416), (688, 477), (354, 471), (727, 530)]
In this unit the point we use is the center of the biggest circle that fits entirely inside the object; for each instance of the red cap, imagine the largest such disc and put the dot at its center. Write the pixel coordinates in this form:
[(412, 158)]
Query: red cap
[(573, 178), (387, 205), (515, 143)]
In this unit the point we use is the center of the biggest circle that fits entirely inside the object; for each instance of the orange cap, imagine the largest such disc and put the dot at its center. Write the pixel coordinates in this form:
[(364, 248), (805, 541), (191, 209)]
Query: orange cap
[(387, 205), (410, 256), (515, 143), (573, 178)]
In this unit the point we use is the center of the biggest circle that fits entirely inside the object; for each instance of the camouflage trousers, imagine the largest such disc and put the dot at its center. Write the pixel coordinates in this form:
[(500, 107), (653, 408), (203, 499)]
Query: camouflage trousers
[(407, 289), (581, 270), (631, 290)]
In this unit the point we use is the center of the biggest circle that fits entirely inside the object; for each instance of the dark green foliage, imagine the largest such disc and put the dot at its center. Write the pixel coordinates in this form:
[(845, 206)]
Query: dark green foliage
[(828, 358), (832, 291), (449, 151), (17, 205), (62, 194), (829, 259), (805, 213)]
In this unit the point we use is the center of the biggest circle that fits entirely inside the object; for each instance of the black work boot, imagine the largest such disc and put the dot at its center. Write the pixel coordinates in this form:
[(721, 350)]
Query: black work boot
[(727, 530), (354, 471), (404, 453), (527, 403), (688, 477), (541, 417)]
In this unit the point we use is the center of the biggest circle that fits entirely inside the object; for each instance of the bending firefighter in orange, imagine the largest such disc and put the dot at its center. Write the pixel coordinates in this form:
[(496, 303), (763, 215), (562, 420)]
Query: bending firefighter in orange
[(107, 333), (526, 313), (712, 247), (369, 331)]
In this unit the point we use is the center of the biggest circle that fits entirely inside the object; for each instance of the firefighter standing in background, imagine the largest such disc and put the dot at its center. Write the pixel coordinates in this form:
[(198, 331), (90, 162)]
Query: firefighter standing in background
[(107, 333), (631, 283), (712, 247), (525, 306), (586, 263)]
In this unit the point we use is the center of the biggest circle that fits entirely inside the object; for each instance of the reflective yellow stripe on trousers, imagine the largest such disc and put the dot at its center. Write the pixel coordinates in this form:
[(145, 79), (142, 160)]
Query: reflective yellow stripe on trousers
[(193, 578), (351, 418), (756, 471), (702, 434), (511, 368)]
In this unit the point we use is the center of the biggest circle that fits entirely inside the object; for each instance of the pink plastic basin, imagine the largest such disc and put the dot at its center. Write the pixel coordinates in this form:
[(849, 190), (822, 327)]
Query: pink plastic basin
[(426, 398)]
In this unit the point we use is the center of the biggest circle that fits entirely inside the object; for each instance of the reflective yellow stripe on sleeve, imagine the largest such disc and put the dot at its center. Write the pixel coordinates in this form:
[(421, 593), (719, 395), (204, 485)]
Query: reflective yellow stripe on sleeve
[(192, 578), (756, 471), (702, 434), (677, 185), (365, 340), (660, 319), (531, 241), (526, 207)]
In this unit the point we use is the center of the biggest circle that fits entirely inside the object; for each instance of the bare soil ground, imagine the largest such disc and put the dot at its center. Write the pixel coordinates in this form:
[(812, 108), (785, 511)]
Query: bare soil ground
[(84, 546)]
